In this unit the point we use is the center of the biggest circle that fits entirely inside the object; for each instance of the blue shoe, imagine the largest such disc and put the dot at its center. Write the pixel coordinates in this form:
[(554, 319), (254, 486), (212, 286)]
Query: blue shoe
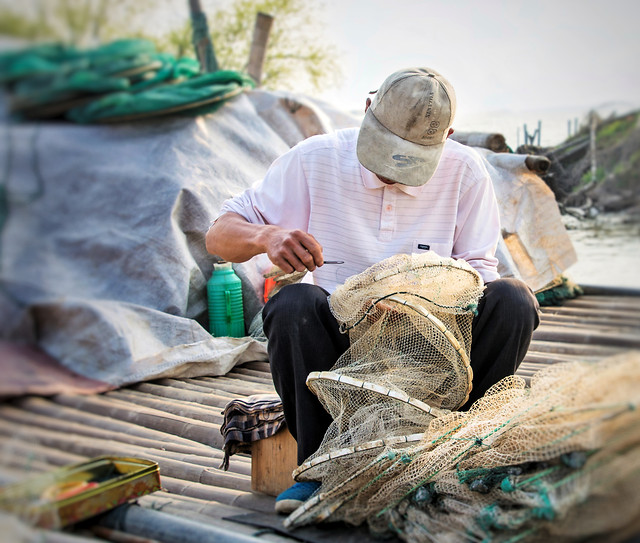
[(292, 498)]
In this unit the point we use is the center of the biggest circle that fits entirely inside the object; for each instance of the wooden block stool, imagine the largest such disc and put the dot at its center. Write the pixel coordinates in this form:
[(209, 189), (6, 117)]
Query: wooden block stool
[(272, 461)]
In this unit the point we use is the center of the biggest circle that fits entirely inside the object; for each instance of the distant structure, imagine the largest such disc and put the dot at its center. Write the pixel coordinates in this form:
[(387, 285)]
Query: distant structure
[(530, 139)]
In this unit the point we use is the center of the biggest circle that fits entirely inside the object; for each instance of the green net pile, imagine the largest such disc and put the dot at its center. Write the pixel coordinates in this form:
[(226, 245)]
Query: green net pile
[(558, 292), (120, 81), (558, 460)]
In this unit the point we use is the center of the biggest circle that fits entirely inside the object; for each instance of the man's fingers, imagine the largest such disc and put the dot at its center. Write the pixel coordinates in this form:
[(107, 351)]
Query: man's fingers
[(295, 250)]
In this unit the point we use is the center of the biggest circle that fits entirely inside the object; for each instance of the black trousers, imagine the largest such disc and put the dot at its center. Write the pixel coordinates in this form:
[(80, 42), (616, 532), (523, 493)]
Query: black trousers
[(304, 337)]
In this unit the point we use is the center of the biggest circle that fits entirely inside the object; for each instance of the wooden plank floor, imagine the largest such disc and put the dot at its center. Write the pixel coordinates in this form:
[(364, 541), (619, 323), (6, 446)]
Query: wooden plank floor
[(177, 422)]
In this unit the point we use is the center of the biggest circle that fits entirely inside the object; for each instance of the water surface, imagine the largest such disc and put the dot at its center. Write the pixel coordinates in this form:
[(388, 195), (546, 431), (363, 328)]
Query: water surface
[(608, 249)]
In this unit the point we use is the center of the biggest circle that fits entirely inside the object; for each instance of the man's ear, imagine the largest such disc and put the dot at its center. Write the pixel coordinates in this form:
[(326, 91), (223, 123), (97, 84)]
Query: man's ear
[(367, 104)]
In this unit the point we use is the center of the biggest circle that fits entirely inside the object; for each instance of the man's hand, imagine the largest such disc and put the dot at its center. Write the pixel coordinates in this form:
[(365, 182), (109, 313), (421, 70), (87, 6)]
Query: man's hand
[(235, 239), (293, 250)]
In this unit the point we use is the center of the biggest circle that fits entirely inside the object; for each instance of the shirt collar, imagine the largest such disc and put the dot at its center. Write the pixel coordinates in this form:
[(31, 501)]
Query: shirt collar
[(371, 181)]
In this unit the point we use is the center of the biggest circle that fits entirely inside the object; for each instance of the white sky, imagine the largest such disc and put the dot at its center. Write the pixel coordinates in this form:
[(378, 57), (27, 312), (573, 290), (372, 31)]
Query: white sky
[(498, 54)]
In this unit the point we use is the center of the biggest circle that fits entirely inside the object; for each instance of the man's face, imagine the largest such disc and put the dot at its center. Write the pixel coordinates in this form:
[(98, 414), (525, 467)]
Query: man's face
[(385, 180)]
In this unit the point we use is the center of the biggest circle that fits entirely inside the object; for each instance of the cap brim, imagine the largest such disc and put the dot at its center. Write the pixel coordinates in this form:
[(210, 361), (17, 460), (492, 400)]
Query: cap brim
[(392, 157)]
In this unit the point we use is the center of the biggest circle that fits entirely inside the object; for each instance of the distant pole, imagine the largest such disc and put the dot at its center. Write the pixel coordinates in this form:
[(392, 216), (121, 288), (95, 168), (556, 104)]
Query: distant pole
[(539, 131), (592, 137), (201, 39), (258, 50)]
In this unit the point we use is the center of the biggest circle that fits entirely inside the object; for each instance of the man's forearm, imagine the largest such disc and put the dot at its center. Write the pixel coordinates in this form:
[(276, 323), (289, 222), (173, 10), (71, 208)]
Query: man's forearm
[(235, 239)]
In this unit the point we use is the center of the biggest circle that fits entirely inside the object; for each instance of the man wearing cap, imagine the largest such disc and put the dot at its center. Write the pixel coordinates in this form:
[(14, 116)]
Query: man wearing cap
[(395, 185)]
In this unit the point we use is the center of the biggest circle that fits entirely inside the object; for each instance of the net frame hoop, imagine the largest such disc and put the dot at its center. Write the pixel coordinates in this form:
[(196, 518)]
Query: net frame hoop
[(378, 389), (411, 265), (327, 508), (347, 451), (447, 334)]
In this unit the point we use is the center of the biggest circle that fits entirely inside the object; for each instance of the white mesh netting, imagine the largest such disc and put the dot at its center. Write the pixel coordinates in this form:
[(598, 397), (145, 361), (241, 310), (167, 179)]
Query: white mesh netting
[(559, 459)]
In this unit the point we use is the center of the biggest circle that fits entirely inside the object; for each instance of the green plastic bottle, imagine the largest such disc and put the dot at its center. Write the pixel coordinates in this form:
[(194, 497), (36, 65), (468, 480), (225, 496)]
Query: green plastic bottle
[(224, 293)]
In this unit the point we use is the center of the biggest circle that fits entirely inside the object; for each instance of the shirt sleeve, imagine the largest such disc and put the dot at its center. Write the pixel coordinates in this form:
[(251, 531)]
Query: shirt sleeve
[(281, 198), (478, 226)]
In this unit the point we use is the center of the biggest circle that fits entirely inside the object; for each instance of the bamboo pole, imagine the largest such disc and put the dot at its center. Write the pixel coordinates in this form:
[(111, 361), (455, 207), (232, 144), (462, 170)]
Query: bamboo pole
[(180, 487), (188, 392), (548, 359), (489, 140), (24, 467), (202, 39), (257, 365), (581, 335), (100, 426), (241, 370), (619, 293), (99, 447), (10, 474), (176, 407), (202, 432), (27, 422), (587, 313), (604, 303), (116, 536), (592, 145), (571, 348), (48, 536), (245, 500), (186, 506), (263, 379), (28, 451), (613, 324), (537, 164), (167, 528), (239, 387), (258, 51)]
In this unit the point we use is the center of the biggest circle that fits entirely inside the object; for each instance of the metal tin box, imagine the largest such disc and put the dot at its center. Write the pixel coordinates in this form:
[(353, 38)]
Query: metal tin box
[(73, 493)]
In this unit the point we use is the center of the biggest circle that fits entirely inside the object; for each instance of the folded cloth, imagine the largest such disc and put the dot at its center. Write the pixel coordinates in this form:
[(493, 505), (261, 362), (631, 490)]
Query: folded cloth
[(247, 420)]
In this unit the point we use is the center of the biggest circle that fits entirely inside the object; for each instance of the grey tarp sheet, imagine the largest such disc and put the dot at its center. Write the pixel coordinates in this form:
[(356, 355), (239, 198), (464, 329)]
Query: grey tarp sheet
[(102, 258), (535, 245)]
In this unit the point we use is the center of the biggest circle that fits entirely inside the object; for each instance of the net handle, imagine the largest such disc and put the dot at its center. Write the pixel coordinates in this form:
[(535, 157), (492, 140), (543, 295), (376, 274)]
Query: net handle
[(378, 389), (347, 451)]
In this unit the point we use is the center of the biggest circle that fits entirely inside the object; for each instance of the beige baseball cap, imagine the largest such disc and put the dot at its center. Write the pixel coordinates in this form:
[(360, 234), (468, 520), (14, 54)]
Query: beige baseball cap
[(404, 130)]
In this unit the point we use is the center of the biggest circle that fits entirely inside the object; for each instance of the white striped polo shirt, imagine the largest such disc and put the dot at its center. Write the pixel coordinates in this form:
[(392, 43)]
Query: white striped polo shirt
[(320, 187)]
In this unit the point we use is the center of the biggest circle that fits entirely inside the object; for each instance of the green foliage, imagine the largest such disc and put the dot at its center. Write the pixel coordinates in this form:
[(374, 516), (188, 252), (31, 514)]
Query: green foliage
[(297, 57), (18, 25), (76, 22), (615, 131), (587, 178)]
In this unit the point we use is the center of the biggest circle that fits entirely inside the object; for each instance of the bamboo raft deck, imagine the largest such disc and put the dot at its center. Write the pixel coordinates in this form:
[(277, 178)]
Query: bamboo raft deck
[(176, 422)]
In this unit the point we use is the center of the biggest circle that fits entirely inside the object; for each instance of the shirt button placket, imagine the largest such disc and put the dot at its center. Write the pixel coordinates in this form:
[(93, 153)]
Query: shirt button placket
[(388, 214)]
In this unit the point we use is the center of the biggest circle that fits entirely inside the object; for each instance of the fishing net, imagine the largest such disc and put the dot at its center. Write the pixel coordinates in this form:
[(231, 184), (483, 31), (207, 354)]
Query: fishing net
[(409, 322), (558, 460)]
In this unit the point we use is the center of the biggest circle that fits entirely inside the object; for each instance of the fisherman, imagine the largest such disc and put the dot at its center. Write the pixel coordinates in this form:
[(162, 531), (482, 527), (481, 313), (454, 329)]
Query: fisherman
[(397, 184)]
